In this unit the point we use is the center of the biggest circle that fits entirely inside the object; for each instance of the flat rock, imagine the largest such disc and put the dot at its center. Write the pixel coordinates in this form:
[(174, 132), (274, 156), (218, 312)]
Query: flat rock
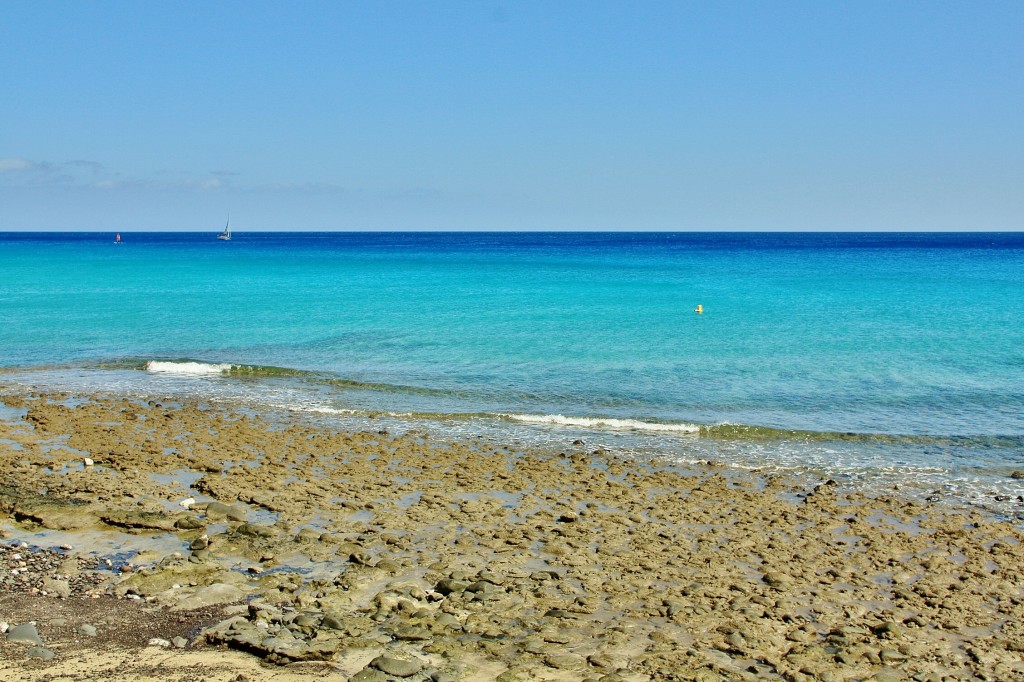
[(26, 632), (398, 667), (57, 588), (40, 652), (217, 593), (215, 510), (564, 661), (139, 519), (412, 633), (369, 675)]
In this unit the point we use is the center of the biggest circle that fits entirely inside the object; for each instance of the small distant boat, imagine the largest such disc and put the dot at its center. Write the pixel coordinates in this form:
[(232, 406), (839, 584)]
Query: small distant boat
[(226, 234)]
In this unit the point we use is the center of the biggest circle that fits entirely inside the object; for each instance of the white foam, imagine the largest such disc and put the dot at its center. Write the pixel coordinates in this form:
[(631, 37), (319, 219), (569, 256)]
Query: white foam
[(601, 422), (187, 368)]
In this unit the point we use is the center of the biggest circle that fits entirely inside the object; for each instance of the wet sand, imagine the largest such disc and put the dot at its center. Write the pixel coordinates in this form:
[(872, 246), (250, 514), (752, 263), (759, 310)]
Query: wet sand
[(267, 545)]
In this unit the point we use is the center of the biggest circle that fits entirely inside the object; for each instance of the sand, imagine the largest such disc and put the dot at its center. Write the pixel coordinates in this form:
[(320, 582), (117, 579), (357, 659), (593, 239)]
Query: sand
[(267, 546)]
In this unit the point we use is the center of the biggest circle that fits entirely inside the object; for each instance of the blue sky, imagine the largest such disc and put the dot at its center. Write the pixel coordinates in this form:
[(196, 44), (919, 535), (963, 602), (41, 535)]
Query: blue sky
[(512, 115)]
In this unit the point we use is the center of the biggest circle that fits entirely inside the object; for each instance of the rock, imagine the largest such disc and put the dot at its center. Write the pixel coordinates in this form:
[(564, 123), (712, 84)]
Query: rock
[(188, 523), (412, 633), (449, 585), (26, 632), (307, 535), (57, 588), (369, 675), (217, 593), (777, 580), (1017, 475), (396, 666), (606, 661), (448, 621), (441, 676), (158, 641), (40, 652), (179, 642), (564, 661), (256, 530), (219, 510), (886, 676), (87, 630), (187, 502), (139, 519), (888, 629)]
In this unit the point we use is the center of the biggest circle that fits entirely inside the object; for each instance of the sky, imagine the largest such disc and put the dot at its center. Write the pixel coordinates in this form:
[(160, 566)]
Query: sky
[(484, 115)]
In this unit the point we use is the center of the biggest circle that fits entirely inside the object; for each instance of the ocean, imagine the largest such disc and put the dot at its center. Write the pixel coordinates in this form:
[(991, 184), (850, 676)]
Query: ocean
[(882, 360)]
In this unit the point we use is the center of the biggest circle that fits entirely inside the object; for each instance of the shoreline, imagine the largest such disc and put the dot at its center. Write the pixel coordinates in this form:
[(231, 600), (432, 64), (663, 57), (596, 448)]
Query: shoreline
[(368, 554), (961, 471)]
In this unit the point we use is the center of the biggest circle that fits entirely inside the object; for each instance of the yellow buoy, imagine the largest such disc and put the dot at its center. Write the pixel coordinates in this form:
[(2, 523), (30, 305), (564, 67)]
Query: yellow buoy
[(699, 309)]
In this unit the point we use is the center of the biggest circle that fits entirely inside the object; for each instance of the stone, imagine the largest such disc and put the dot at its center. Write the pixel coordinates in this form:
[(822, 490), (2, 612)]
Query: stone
[(26, 632), (87, 630), (217, 593), (564, 661), (412, 633), (307, 535), (361, 558), (888, 675), (188, 523), (56, 588), (139, 519), (179, 642), (449, 585), (40, 652), (256, 530), (369, 675), (217, 510), (398, 667)]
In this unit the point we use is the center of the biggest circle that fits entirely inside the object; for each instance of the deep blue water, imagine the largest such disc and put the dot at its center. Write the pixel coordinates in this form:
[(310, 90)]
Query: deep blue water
[(913, 343)]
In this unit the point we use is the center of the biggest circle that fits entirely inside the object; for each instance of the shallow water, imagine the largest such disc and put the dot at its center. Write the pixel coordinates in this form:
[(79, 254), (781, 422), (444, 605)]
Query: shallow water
[(886, 359)]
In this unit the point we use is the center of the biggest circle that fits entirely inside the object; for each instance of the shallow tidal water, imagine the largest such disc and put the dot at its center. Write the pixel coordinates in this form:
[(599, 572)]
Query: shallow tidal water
[(883, 360)]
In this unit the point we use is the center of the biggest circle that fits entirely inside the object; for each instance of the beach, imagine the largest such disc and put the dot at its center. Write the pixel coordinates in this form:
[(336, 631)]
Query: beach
[(222, 543)]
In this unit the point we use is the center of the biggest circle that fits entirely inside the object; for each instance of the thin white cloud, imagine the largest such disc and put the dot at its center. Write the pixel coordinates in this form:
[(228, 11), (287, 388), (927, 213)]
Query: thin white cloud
[(14, 165)]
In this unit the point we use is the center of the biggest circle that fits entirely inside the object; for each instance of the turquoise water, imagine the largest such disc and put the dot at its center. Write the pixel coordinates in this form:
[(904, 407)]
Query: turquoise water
[(897, 356)]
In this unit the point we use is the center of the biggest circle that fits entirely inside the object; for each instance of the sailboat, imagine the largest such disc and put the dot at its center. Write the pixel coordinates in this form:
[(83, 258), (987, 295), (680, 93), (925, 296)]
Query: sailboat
[(226, 234)]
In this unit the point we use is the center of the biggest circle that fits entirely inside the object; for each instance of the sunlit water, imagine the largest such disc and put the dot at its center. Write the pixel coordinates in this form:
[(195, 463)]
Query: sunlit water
[(881, 359)]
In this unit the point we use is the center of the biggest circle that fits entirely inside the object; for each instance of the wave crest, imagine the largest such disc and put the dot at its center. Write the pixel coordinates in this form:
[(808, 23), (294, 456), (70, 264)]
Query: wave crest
[(188, 368), (602, 422)]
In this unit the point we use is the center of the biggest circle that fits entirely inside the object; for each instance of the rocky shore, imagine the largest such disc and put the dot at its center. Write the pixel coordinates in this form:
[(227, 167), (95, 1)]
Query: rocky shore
[(153, 540)]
